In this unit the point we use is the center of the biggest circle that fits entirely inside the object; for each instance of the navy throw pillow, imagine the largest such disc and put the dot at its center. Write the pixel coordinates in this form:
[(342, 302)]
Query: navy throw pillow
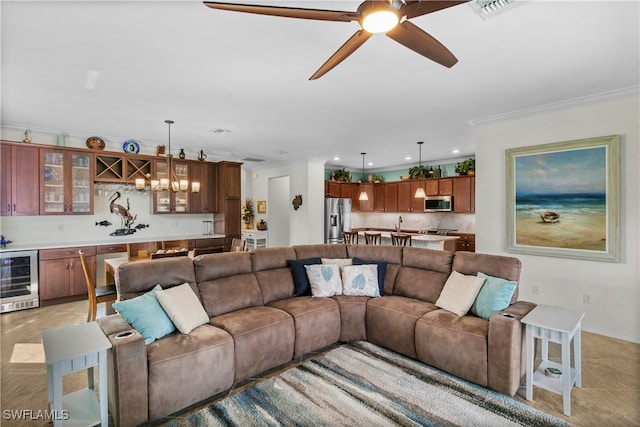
[(300, 279), (382, 270)]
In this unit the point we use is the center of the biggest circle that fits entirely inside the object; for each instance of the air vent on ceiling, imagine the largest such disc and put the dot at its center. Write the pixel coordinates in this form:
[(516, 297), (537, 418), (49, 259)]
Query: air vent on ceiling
[(490, 8), (253, 159)]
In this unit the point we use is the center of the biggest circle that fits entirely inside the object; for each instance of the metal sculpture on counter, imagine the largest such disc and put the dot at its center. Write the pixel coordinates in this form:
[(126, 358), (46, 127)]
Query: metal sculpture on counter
[(126, 220), (103, 223)]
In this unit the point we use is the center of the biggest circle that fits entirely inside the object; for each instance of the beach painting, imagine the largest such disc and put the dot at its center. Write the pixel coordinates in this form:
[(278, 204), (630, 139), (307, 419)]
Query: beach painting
[(563, 199)]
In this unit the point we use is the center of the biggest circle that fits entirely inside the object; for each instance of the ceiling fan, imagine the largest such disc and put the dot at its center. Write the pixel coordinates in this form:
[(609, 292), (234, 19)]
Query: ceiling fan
[(375, 16)]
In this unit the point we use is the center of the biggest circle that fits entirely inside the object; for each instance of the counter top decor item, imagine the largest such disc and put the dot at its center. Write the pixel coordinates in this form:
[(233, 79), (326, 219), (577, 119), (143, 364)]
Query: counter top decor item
[(131, 147)]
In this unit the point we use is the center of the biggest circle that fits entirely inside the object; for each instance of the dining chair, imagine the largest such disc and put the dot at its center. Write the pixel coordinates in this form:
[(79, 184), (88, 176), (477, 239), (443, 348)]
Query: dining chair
[(210, 250), (157, 255), (400, 239), (97, 295), (372, 238), (238, 245), (351, 237)]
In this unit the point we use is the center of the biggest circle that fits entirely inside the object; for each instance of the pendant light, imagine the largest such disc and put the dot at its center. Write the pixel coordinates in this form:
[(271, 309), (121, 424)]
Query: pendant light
[(363, 194), (420, 194), (169, 181)]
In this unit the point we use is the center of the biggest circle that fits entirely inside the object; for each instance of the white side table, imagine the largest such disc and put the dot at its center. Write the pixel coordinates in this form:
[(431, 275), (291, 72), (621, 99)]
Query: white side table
[(561, 326), (71, 349)]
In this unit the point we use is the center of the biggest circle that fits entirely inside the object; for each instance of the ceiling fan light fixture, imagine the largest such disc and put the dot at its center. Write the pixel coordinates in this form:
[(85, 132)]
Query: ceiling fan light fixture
[(380, 21)]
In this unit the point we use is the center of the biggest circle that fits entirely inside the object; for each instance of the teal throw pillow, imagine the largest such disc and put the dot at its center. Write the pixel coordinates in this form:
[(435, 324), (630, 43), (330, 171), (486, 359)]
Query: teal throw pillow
[(146, 315), (494, 296)]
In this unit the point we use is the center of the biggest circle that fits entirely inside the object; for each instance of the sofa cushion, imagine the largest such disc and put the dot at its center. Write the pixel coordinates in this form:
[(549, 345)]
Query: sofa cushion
[(136, 278), (340, 262), (455, 344), (230, 293), (146, 315), (320, 251), (459, 293), (185, 369), (316, 320), (391, 322), (360, 280), (183, 307), (494, 265), (264, 338), (274, 276), (222, 265), (494, 296), (353, 310), (381, 270), (300, 279), (324, 279), (392, 255)]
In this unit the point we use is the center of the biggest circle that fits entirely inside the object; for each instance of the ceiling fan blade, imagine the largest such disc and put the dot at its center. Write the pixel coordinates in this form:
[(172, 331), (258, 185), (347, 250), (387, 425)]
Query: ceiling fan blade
[(419, 41), (341, 54), (287, 12), (423, 7)]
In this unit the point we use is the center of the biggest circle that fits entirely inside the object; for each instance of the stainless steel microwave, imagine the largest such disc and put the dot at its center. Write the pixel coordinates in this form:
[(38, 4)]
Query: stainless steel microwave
[(438, 204)]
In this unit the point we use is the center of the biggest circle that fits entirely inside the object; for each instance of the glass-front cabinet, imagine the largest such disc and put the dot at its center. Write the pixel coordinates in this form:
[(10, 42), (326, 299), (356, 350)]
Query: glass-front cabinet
[(174, 194), (67, 182)]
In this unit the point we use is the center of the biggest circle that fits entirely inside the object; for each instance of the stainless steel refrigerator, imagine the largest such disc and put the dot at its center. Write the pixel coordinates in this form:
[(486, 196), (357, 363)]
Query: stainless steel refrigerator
[(337, 218)]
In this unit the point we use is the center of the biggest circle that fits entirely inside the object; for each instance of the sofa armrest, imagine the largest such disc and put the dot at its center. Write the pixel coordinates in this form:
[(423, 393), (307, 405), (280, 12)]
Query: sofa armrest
[(127, 372), (506, 364)]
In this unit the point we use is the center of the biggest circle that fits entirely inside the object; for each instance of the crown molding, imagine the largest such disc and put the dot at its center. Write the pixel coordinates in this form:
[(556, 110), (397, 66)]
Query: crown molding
[(632, 91)]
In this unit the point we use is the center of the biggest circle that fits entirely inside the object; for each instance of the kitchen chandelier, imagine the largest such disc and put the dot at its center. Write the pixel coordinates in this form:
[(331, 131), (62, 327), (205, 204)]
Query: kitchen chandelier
[(420, 194), (167, 180), (363, 194)]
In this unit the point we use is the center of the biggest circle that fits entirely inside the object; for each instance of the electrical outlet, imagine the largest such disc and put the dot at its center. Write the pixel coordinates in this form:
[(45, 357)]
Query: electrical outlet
[(535, 289), (586, 298), (173, 223)]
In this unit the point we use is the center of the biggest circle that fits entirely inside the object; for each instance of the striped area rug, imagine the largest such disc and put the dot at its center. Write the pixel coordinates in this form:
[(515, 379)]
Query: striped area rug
[(361, 384)]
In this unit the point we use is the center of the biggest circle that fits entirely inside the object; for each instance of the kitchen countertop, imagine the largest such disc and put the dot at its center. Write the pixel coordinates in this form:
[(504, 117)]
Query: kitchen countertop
[(111, 240), (414, 236)]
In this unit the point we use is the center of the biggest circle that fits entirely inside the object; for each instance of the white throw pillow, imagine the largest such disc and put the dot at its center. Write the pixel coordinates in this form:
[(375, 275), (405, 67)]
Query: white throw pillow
[(324, 279), (183, 307), (340, 262), (360, 280), (459, 293)]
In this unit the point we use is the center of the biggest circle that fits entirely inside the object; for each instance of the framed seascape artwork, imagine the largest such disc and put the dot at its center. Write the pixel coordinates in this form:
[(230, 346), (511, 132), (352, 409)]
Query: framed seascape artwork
[(262, 206), (563, 199)]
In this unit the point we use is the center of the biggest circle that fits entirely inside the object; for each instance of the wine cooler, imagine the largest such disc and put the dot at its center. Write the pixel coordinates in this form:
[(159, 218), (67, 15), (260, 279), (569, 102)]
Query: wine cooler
[(18, 280)]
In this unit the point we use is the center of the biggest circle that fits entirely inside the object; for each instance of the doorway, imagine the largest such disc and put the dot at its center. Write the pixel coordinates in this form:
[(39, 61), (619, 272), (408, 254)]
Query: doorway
[(278, 211)]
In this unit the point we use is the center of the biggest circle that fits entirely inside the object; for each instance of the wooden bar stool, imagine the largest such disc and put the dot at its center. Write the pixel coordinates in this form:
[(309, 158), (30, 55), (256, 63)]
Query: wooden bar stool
[(372, 238), (98, 294), (400, 239), (351, 237)]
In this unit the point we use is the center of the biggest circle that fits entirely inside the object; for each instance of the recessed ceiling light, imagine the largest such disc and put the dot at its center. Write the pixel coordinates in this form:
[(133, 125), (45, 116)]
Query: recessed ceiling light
[(370, 164), (336, 158), (455, 151), (408, 158)]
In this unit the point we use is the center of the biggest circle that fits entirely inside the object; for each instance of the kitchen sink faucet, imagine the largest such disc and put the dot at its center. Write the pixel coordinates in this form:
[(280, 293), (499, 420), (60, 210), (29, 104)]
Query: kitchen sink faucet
[(399, 227)]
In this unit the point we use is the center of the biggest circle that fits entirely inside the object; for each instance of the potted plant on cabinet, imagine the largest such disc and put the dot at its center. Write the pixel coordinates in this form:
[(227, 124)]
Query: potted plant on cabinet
[(466, 167), (341, 175), (418, 172)]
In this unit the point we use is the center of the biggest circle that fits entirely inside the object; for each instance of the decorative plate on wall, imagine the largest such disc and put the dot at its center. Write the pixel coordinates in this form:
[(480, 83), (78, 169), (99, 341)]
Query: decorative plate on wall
[(95, 143), (131, 147)]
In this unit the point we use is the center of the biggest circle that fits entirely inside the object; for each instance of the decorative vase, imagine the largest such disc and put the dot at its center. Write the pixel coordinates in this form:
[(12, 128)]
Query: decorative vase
[(181, 154), (248, 225)]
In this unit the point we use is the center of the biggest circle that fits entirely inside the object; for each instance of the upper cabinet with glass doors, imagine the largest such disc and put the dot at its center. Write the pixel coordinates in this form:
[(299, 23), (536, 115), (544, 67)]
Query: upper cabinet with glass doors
[(173, 197), (67, 182)]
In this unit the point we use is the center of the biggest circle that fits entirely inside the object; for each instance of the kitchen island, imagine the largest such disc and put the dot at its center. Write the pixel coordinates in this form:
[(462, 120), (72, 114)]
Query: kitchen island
[(419, 240)]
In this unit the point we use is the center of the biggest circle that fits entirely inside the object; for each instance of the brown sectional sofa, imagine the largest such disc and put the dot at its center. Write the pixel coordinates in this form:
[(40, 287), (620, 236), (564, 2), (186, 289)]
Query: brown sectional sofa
[(257, 323)]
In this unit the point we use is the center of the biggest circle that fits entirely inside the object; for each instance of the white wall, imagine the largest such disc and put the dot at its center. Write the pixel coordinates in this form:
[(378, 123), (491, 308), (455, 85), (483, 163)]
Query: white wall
[(614, 287), (307, 179)]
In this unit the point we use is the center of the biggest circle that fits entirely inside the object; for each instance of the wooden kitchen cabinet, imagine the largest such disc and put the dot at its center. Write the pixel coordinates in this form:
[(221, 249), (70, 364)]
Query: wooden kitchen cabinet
[(19, 194), (205, 201), (60, 273), (229, 203), (466, 242), (358, 205), (464, 194), (438, 187), (122, 168), (67, 182), (407, 202)]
